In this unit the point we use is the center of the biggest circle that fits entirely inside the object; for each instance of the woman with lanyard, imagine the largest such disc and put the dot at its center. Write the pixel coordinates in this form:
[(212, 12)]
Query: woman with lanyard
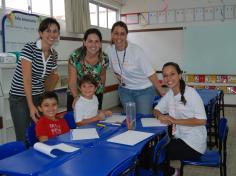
[(138, 81), (87, 60), (36, 71)]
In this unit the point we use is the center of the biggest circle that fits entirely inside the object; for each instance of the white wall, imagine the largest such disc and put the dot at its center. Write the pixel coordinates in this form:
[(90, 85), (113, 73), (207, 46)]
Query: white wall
[(164, 46)]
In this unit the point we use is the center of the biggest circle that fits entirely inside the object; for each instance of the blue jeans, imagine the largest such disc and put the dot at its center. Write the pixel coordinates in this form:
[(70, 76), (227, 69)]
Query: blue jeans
[(21, 115), (143, 98)]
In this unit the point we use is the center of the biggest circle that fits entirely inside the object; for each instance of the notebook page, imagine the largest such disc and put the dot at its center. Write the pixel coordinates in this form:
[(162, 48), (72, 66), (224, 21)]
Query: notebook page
[(151, 122), (130, 137), (115, 118), (81, 134)]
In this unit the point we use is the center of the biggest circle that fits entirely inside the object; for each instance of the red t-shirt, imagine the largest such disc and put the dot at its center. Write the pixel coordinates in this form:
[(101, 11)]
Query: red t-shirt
[(51, 128)]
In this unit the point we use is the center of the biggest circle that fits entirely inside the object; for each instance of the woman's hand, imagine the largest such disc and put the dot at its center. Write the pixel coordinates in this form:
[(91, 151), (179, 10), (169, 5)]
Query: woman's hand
[(34, 113), (165, 119)]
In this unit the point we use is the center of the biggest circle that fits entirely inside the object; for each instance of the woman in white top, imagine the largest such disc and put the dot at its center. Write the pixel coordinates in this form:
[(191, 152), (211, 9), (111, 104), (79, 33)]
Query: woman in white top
[(137, 78), (187, 116)]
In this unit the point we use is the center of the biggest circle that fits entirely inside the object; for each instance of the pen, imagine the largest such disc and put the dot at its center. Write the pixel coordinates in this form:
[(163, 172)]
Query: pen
[(101, 125)]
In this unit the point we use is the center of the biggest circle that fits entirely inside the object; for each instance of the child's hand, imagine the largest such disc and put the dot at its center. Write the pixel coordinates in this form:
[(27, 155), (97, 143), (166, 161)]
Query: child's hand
[(101, 115), (108, 113)]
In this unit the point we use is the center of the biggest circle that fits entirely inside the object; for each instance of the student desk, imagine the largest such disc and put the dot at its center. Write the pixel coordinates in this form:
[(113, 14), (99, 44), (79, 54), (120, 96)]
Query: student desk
[(95, 157), (93, 161), (207, 95)]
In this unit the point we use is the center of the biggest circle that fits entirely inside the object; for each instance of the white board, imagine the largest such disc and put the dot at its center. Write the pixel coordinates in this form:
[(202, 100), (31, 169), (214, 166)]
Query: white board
[(160, 46)]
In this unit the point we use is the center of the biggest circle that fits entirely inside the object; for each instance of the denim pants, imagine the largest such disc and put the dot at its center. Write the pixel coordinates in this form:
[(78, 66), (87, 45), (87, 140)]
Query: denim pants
[(143, 98), (21, 115)]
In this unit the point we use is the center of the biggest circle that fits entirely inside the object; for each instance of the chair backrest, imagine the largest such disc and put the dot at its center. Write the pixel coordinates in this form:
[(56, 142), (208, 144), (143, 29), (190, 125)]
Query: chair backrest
[(156, 100), (31, 138), (223, 133), (69, 117), (11, 148), (159, 152)]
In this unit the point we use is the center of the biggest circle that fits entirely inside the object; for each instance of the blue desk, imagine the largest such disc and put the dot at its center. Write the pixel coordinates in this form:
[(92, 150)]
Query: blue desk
[(30, 162), (95, 157), (97, 160), (207, 95)]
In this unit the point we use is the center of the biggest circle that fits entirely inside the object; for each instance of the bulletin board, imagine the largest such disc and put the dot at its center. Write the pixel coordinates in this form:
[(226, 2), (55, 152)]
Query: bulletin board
[(19, 28), (210, 49)]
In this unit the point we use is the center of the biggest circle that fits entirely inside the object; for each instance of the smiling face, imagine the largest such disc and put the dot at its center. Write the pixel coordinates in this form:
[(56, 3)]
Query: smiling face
[(50, 35), (92, 44), (172, 78), (87, 90), (119, 37), (49, 107)]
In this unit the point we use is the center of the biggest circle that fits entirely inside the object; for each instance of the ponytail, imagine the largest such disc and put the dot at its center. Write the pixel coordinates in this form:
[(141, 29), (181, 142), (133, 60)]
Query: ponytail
[(182, 90)]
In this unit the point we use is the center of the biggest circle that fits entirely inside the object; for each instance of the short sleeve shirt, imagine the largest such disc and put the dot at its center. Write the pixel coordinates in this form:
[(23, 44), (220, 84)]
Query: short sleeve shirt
[(51, 128), (85, 108), (195, 136), (41, 68), (77, 60)]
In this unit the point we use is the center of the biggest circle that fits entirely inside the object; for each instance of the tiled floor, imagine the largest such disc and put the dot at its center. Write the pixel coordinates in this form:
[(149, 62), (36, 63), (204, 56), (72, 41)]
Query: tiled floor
[(230, 114)]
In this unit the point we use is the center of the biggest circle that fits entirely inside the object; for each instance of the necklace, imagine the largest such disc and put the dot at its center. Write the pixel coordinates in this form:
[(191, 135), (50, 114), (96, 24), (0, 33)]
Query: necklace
[(121, 65)]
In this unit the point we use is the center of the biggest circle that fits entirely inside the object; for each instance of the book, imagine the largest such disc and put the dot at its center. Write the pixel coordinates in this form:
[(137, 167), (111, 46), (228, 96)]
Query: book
[(130, 137), (115, 118), (54, 150), (82, 134), (151, 122)]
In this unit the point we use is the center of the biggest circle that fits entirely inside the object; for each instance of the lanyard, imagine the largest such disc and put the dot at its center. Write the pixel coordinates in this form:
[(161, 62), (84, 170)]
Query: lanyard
[(121, 65)]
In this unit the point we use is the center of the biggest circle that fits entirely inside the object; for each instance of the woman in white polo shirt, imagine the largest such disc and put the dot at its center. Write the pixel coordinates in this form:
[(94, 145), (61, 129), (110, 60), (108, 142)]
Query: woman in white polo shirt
[(138, 81), (187, 116), (37, 63)]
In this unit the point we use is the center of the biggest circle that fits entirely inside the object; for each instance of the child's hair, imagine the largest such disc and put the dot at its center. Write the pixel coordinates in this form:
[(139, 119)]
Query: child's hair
[(182, 82), (88, 79), (47, 95)]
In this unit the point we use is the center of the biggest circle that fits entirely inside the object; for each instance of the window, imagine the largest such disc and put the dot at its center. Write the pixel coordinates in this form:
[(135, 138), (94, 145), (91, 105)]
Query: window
[(55, 8), (17, 4), (41, 7), (58, 9), (102, 16)]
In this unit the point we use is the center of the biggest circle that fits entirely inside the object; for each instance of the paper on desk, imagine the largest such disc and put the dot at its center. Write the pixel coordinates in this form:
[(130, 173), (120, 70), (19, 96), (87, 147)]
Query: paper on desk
[(115, 118), (47, 149), (151, 122), (130, 137), (81, 134)]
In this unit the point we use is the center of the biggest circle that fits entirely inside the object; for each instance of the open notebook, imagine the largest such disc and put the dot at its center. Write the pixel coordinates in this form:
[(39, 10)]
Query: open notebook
[(54, 150), (130, 137), (115, 118)]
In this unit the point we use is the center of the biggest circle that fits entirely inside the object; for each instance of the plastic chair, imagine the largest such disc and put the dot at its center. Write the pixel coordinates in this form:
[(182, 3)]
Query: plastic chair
[(31, 138), (127, 168), (213, 158), (11, 148), (158, 157), (69, 117), (156, 101)]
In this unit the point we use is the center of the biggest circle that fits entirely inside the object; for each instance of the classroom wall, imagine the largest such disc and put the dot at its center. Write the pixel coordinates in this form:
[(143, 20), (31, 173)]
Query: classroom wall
[(168, 45), (65, 47)]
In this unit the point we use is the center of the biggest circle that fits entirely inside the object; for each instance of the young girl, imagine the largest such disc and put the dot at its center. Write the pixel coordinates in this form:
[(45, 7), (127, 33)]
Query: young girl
[(187, 116), (86, 107), (49, 125)]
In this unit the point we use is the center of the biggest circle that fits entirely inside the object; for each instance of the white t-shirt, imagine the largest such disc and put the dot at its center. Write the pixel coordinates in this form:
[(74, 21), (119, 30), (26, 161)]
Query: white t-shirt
[(134, 65), (85, 108), (195, 137)]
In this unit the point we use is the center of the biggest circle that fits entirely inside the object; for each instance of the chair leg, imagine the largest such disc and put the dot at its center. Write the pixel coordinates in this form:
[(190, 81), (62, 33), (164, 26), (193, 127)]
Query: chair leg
[(181, 169)]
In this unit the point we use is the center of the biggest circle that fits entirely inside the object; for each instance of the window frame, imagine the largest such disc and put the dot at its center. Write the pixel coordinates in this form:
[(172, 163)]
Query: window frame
[(99, 4), (6, 9)]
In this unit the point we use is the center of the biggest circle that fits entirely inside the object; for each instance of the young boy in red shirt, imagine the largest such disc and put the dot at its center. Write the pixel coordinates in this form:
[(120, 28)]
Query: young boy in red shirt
[(49, 125)]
